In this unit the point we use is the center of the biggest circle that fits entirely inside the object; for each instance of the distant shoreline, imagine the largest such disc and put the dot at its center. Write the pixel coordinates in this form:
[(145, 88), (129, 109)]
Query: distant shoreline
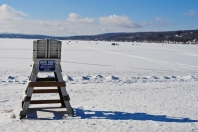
[(172, 37)]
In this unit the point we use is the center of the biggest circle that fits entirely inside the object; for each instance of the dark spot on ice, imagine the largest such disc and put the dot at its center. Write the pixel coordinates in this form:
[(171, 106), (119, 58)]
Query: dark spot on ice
[(10, 77), (114, 78), (69, 78), (100, 76), (155, 77), (165, 77), (85, 78)]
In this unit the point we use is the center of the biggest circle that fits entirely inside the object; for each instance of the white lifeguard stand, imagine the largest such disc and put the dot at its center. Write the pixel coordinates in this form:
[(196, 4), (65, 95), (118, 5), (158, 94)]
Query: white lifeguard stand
[(46, 58)]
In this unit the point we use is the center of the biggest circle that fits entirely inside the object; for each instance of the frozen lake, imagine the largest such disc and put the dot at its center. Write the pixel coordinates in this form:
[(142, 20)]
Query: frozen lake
[(130, 87)]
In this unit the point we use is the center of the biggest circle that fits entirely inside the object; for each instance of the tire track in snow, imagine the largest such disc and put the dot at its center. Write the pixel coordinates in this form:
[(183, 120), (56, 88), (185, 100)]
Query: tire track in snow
[(167, 63)]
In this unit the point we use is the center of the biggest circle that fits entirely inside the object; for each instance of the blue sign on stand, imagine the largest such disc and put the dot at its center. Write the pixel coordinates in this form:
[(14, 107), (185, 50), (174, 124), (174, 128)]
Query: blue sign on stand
[(47, 65)]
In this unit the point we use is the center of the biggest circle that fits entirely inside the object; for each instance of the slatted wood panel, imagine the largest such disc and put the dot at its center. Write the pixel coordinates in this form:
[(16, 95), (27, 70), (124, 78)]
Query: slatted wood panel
[(47, 48), (54, 49), (41, 48), (46, 84), (45, 101)]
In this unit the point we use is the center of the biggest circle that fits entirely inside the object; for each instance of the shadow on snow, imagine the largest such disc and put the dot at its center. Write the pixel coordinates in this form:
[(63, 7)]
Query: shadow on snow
[(116, 115), (57, 114)]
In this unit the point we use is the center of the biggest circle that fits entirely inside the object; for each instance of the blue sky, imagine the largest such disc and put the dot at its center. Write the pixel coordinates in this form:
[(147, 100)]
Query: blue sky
[(90, 17)]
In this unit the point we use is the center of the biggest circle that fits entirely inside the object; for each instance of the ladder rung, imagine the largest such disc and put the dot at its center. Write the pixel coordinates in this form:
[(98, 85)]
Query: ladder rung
[(45, 79), (45, 91), (45, 101), (46, 84)]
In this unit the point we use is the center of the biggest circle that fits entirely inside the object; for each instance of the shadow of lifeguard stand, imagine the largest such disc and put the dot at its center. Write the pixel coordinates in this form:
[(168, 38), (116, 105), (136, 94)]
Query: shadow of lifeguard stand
[(46, 58)]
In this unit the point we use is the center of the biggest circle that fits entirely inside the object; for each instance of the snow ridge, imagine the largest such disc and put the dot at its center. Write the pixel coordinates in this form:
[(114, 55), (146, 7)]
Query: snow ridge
[(106, 79)]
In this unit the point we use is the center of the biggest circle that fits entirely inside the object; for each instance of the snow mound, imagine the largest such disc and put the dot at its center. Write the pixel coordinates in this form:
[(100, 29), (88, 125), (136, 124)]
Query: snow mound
[(84, 78), (68, 78), (112, 78), (11, 79), (150, 77), (189, 77), (97, 79), (121, 80), (165, 77)]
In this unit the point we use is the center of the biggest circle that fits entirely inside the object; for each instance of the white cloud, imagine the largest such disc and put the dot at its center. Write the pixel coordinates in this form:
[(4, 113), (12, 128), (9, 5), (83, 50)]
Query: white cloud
[(161, 22), (14, 21), (7, 12), (190, 13), (159, 19), (73, 17), (121, 21)]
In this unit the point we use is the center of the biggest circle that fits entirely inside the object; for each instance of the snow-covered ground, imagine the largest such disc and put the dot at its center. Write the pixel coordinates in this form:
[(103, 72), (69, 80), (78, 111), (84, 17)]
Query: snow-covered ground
[(130, 87)]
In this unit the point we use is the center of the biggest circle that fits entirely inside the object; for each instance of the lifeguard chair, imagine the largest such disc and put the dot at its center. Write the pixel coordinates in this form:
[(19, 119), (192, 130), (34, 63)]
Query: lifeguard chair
[(46, 58)]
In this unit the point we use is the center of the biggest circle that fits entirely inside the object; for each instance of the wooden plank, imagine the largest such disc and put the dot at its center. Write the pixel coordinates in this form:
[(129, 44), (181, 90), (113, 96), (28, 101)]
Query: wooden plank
[(45, 91), (45, 101), (46, 84), (45, 79)]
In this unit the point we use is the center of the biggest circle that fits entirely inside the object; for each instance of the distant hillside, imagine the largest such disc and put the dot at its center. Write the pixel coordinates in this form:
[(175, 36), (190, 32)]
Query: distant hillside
[(183, 36)]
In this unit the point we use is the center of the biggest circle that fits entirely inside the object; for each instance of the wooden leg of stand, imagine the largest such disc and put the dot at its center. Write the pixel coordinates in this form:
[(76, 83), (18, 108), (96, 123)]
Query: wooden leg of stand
[(27, 97), (59, 91), (65, 95)]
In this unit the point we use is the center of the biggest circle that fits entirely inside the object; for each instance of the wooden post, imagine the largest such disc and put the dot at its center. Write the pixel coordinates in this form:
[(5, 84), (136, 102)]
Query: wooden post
[(59, 91)]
